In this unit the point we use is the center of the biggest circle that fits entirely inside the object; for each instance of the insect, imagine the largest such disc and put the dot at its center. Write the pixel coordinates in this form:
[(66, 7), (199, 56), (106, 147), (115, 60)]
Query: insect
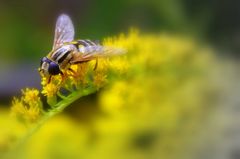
[(66, 51)]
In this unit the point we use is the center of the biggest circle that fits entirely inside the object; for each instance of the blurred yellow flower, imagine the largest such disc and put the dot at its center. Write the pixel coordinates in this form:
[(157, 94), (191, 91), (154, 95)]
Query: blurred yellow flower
[(113, 101)]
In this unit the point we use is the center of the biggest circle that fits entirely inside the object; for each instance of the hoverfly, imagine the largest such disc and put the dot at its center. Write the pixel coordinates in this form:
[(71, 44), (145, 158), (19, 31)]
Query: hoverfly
[(66, 51)]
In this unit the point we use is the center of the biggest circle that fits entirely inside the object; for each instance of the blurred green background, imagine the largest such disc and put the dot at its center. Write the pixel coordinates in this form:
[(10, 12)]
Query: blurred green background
[(209, 106)]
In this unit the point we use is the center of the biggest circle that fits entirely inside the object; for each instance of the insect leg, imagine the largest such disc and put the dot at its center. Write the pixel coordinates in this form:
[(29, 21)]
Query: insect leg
[(63, 77), (49, 79), (71, 70), (96, 64)]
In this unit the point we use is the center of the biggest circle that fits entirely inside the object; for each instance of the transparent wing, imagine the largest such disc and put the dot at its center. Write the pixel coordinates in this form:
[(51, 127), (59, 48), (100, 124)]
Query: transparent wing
[(64, 31), (100, 51), (105, 51)]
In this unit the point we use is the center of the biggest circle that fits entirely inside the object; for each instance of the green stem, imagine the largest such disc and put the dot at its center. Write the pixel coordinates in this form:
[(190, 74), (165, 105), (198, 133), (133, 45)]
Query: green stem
[(59, 107)]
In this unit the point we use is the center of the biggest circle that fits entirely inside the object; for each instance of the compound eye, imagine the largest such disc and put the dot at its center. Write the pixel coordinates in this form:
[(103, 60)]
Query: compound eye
[(53, 68)]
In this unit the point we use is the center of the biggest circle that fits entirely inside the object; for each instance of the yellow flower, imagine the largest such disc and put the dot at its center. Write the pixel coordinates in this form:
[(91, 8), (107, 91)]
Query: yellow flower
[(153, 105), (79, 73), (44, 81), (127, 42), (100, 73), (119, 65), (50, 90), (30, 95), (29, 107), (112, 100), (99, 79), (102, 65)]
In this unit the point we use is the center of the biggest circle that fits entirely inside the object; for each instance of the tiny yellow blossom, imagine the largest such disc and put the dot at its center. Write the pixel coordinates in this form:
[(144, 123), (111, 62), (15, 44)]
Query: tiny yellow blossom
[(50, 90), (99, 79), (100, 73), (44, 81), (29, 107), (79, 73), (30, 95)]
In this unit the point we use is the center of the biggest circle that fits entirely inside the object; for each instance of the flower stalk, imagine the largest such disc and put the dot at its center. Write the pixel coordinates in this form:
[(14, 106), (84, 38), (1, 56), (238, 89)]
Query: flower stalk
[(57, 108)]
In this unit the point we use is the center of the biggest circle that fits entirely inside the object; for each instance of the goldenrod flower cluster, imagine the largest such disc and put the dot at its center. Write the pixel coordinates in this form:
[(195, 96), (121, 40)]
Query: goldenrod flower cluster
[(152, 105), (29, 107)]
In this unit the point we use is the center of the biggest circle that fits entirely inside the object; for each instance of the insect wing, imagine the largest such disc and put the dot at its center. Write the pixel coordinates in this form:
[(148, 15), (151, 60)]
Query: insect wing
[(105, 51), (64, 31), (101, 51)]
